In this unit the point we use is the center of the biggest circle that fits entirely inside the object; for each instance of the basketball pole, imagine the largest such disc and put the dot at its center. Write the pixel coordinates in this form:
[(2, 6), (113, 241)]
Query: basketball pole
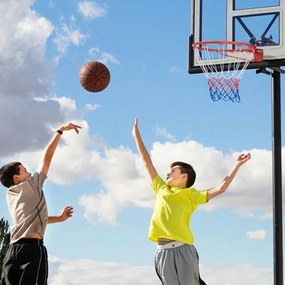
[(277, 177), (276, 172)]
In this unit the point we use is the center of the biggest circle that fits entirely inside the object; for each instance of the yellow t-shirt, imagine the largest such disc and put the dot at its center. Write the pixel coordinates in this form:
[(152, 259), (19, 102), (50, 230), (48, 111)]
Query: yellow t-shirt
[(172, 211)]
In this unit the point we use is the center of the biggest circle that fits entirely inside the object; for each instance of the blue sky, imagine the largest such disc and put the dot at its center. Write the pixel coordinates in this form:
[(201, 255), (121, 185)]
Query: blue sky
[(145, 46)]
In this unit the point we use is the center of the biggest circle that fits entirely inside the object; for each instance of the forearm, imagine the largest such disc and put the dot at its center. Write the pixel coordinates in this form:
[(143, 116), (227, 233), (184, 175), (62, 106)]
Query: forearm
[(213, 192), (65, 214), (51, 147), (142, 149), (143, 152), (228, 179), (49, 152), (55, 219)]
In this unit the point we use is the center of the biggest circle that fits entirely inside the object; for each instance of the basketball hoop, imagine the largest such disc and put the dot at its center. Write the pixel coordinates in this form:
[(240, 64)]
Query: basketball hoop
[(223, 64)]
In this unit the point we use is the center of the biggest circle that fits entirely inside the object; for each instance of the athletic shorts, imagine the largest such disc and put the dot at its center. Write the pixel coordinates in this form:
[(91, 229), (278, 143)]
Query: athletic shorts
[(177, 263), (25, 263)]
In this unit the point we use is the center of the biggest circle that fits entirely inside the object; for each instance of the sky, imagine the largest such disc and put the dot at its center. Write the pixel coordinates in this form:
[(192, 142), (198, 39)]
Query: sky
[(144, 44)]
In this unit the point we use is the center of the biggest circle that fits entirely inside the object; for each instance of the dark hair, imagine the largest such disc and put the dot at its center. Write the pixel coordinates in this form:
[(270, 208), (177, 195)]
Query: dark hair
[(188, 169), (8, 171)]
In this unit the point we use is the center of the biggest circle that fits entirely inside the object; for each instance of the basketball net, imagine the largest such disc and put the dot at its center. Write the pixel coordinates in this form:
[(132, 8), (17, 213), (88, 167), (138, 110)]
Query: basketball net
[(223, 64)]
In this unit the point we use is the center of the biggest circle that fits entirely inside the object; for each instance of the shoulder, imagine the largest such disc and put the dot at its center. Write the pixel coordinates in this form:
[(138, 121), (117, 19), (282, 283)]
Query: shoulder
[(158, 183), (197, 196), (38, 177)]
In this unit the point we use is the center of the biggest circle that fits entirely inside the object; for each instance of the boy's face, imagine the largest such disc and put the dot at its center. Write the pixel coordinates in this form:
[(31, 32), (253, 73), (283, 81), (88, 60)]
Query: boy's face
[(22, 176), (175, 178)]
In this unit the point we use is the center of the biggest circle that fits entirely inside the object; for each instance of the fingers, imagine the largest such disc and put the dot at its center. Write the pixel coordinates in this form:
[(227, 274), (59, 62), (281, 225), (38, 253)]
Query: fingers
[(244, 157), (68, 211), (70, 126), (135, 128), (247, 156)]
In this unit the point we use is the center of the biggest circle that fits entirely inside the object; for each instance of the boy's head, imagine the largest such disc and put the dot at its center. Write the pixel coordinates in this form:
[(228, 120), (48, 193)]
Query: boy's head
[(13, 173), (182, 175)]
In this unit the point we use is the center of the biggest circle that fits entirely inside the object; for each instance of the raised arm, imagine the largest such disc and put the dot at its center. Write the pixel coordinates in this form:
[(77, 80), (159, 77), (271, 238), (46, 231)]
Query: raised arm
[(51, 147), (143, 151), (213, 192)]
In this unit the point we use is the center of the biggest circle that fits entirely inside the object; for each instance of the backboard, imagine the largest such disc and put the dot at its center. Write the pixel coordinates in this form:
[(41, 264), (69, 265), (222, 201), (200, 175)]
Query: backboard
[(258, 22)]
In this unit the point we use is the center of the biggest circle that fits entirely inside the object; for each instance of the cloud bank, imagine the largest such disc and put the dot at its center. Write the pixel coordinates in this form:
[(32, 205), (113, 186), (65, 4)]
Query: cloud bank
[(90, 272)]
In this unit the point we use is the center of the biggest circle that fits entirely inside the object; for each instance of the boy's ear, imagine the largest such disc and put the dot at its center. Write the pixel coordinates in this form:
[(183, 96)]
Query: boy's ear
[(185, 175), (15, 178)]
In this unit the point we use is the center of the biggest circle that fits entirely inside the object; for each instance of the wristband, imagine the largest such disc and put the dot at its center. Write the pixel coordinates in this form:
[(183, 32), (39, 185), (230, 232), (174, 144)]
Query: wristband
[(59, 132)]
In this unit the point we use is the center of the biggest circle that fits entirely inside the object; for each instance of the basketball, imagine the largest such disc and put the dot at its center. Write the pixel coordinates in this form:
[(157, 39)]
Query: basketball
[(94, 76)]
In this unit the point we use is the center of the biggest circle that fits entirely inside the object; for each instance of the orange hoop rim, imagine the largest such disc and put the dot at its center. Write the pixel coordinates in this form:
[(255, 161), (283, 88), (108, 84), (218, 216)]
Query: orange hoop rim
[(203, 45), (244, 47)]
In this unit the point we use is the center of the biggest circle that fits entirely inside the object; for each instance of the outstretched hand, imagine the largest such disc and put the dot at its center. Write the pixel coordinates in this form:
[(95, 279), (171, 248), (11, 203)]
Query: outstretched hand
[(243, 158), (135, 128), (67, 213), (70, 126)]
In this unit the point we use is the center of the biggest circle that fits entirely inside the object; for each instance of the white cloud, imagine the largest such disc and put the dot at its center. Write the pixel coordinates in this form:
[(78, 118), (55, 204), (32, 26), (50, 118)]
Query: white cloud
[(94, 51), (90, 272), (92, 10), (108, 57), (23, 32), (68, 35), (92, 107), (122, 185), (257, 235), (66, 104), (23, 38), (100, 208), (22, 45), (243, 274), (104, 57), (160, 131)]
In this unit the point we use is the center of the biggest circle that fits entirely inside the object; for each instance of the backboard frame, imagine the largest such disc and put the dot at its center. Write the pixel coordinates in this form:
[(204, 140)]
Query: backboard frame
[(274, 53)]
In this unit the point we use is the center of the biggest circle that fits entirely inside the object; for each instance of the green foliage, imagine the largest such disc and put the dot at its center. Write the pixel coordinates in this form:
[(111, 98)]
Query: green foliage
[(4, 240)]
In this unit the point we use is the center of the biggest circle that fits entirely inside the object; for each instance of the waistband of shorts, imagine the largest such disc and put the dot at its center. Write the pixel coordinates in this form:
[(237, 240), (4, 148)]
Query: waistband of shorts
[(30, 241), (171, 244)]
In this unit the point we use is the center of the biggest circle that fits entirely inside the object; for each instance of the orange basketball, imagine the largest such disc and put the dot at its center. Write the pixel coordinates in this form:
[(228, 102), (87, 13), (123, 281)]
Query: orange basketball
[(94, 76)]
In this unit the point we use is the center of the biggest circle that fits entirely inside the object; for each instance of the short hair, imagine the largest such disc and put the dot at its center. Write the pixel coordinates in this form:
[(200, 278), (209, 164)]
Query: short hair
[(8, 171), (188, 169)]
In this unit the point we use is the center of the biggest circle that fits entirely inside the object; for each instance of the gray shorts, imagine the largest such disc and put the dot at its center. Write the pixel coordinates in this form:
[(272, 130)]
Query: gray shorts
[(178, 264)]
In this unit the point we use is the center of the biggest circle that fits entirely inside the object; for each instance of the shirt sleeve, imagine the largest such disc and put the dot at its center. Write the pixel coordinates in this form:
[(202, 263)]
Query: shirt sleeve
[(198, 197), (38, 178), (157, 183)]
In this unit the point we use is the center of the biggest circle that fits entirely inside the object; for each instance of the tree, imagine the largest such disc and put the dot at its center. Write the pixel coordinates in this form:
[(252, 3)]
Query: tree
[(4, 240)]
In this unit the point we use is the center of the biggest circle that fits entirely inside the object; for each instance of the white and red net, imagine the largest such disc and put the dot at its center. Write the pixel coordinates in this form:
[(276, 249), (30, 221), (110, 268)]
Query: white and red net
[(223, 64)]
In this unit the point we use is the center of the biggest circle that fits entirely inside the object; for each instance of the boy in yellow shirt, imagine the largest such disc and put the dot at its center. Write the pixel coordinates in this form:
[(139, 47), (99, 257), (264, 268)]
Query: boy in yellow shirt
[(176, 259)]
